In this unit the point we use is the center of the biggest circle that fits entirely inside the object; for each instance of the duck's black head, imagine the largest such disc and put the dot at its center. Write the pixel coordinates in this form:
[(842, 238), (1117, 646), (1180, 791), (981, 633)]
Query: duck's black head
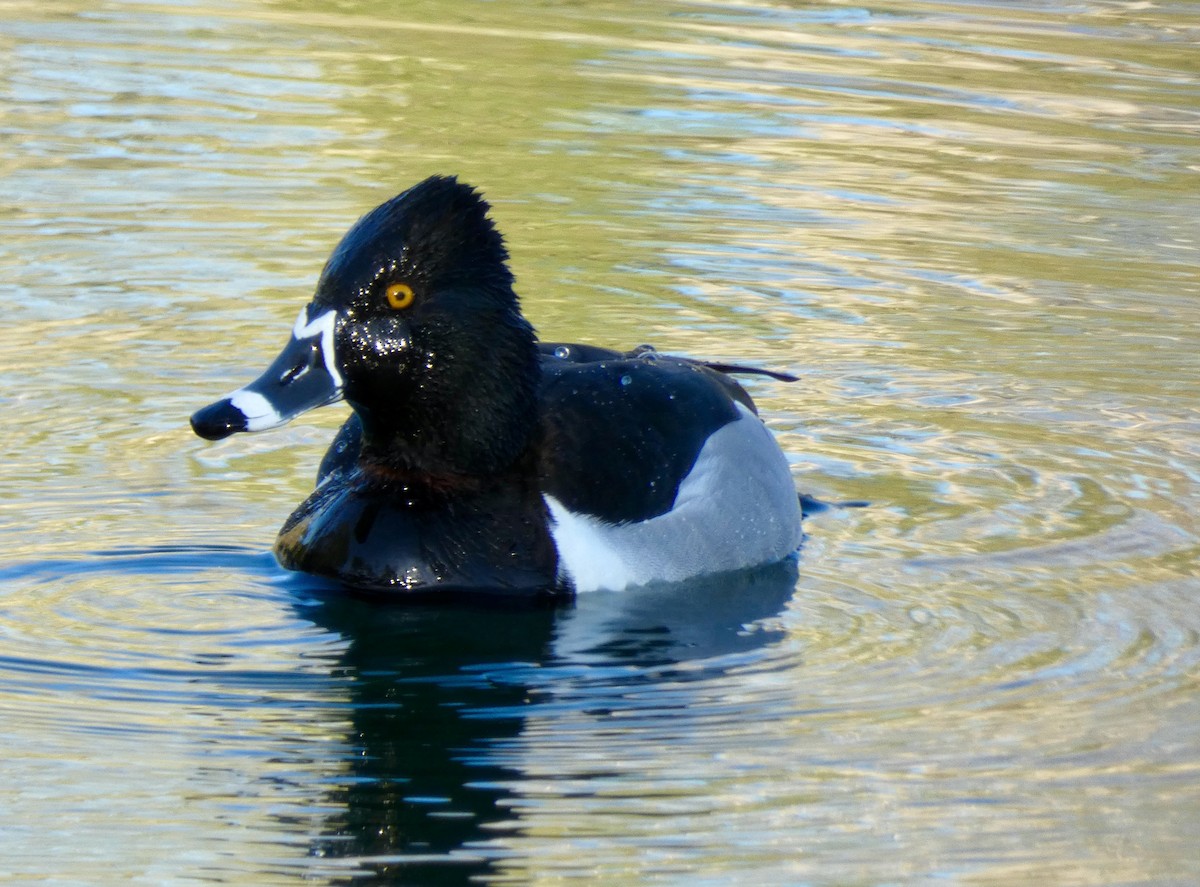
[(415, 323)]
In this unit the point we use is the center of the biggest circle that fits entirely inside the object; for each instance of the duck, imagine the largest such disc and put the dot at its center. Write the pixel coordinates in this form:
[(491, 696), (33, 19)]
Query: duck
[(479, 459)]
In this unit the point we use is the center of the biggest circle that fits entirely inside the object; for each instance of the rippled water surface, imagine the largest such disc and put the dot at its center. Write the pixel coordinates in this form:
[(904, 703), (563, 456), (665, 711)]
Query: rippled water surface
[(970, 228)]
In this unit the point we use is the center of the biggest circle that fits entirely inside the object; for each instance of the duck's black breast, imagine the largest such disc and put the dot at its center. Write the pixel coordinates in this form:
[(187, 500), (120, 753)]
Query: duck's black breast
[(619, 436), (615, 438), (372, 531)]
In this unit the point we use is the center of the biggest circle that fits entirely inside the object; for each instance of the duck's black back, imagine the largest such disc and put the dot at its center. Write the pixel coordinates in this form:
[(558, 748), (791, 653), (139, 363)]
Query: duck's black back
[(619, 436)]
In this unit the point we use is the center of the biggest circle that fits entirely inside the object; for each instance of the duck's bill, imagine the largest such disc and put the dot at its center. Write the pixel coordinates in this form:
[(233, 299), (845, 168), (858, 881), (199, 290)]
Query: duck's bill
[(303, 377)]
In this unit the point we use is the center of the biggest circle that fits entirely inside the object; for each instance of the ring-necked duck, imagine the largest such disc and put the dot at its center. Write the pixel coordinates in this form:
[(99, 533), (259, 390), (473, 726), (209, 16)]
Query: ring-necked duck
[(478, 459)]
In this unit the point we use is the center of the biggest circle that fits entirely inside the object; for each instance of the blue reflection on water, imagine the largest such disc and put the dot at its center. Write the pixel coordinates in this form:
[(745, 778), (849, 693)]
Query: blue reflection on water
[(440, 695)]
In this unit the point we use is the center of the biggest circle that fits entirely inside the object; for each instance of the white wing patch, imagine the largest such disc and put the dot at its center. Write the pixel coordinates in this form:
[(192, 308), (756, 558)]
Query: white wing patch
[(736, 508)]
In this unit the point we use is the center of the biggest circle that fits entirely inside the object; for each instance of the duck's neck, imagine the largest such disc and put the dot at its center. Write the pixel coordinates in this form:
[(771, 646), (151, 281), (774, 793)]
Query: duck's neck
[(459, 419)]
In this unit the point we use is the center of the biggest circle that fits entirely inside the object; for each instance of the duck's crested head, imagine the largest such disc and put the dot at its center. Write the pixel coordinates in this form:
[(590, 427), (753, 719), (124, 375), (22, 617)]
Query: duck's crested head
[(430, 338), (416, 324), (434, 236)]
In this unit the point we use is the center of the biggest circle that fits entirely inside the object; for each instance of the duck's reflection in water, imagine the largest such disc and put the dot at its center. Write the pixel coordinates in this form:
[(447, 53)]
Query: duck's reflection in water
[(438, 688)]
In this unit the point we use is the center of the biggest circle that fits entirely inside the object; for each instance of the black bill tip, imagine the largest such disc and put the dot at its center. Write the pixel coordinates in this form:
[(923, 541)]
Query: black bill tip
[(218, 420)]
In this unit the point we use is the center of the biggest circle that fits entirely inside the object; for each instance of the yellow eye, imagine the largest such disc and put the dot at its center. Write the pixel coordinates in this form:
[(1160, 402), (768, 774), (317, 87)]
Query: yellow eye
[(399, 295)]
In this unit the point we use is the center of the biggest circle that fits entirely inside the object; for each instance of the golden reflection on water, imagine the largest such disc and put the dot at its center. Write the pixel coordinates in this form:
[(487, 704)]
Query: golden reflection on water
[(968, 228)]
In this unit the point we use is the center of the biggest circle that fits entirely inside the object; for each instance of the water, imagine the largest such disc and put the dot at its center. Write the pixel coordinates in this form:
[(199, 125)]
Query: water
[(969, 228)]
